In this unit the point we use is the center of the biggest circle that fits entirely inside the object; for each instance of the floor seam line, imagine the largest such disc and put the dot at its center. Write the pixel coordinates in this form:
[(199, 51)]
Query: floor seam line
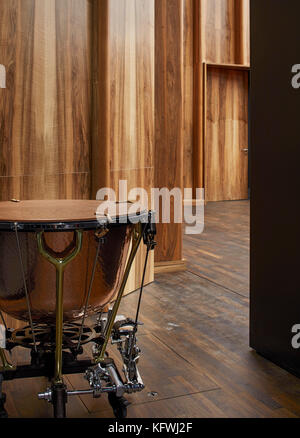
[(168, 398), (218, 284), (187, 361), (79, 397), (170, 348), (177, 396)]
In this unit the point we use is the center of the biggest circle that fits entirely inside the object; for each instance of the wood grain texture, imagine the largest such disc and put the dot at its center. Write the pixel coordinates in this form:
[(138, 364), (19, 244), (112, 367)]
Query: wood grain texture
[(225, 31), (198, 137), (172, 266), (221, 253), (242, 19), (226, 134), (45, 111), (223, 66), (56, 211), (169, 117), (188, 90), (123, 101), (61, 186), (221, 35), (126, 53)]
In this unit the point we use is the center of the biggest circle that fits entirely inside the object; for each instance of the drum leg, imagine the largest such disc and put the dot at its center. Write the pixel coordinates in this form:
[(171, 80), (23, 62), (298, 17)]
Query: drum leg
[(59, 400), (59, 392), (59, 326), (118, 404)]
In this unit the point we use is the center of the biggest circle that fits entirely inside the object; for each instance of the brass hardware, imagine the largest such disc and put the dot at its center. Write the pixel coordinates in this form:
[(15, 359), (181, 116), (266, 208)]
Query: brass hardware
[(43, 334), (136, 240), (101, 233), (15, 200), (245, 150), (60, 266), (25, 285)]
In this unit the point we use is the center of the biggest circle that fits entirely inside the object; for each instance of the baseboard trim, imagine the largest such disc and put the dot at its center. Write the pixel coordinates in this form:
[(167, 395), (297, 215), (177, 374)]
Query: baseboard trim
[(170, 266)]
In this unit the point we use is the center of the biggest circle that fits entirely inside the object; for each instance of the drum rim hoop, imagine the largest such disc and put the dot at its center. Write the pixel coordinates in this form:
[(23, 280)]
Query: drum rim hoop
[(73, 225)]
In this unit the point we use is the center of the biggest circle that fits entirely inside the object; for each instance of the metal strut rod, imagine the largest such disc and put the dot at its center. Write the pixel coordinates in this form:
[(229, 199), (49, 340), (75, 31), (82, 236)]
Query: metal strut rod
[(136, 240), (148, 237), (25, 286), (60, 266), (139, 304), (89, 292)]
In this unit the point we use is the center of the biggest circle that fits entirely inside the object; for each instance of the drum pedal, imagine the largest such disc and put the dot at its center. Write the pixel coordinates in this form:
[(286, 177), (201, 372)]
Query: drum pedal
[(119, 329)]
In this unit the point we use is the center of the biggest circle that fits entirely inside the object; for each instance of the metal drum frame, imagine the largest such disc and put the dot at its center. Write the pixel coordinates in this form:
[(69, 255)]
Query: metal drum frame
[(51, 358)]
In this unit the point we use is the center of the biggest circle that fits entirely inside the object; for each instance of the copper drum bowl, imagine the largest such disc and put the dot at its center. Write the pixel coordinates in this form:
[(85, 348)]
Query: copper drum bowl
[(40, 275)]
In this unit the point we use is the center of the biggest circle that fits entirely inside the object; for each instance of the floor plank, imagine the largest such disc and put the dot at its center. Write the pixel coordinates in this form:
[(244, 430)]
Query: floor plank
[(221, 253), (164, 372)]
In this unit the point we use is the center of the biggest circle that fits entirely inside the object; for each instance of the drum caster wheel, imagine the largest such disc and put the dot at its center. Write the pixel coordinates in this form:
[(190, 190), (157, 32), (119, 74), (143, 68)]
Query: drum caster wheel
[(119, 405), (3, 413), (59, 400)]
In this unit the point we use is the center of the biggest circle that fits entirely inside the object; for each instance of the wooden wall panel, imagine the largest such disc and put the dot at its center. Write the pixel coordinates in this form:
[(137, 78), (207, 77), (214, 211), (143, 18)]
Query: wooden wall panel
[(243, 32), (126, 89), (45, 111), (169, 117), (188, 89), (225, 31), (198, 138), (60, 186), (123, 136), (226, 134)]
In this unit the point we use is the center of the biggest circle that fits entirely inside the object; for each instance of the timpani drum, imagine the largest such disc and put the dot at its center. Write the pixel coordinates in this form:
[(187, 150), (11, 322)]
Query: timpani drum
[(19, 224), (61, 261)]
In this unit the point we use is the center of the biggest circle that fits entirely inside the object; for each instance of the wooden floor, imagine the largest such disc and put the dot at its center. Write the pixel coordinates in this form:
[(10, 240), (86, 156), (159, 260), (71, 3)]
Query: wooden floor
[(221, 253), (196, 361)]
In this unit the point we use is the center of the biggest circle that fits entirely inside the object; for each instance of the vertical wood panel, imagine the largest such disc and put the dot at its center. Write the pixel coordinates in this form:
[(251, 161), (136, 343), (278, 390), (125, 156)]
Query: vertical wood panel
[(242, 20), (198, 137), (126, 90), (218, 21), (188, 82), (225, 31), (169, 116), (100, 164), (45, 111), (226, 134)]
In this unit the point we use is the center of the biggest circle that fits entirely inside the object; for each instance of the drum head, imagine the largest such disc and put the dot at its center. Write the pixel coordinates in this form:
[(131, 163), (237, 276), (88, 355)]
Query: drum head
[(66, 214)]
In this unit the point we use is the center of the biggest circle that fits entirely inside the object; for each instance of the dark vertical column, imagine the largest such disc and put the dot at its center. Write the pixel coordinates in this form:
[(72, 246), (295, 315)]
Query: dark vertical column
[(275, 158)]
